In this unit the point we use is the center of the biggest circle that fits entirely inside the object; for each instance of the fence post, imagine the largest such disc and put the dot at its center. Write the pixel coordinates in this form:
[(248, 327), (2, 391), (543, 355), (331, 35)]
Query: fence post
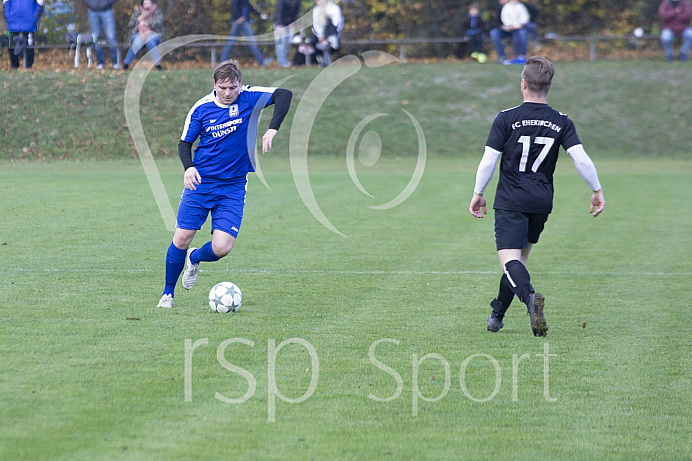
[(402, 54), (213, 57), (592, 49)]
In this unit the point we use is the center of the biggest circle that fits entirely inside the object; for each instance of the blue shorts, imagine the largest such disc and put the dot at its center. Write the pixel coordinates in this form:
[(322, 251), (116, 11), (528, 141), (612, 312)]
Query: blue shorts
[(224, 199), (515, 230)]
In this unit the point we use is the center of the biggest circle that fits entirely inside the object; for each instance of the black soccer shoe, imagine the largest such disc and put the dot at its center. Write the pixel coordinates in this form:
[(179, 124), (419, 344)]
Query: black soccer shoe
[(495, 322), (535, 306)]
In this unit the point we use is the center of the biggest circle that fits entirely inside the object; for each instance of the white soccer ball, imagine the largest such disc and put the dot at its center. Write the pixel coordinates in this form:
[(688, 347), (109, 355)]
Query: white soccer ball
[(225, 297)]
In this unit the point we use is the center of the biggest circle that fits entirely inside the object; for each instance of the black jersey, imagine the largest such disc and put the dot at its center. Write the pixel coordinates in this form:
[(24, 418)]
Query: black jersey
[(529, 137)]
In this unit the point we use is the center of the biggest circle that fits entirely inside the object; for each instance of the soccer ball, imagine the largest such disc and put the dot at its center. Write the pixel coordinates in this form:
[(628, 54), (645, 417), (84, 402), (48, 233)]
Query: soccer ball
[(225, 297)]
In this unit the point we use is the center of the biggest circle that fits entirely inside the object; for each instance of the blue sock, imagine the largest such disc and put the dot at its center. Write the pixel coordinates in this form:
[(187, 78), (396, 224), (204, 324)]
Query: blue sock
[(175, 263), (204, 253)]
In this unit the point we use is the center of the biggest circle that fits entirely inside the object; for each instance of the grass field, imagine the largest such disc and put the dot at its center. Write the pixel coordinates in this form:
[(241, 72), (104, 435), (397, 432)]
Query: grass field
[(91, 369), (381, 335), (621, 108)]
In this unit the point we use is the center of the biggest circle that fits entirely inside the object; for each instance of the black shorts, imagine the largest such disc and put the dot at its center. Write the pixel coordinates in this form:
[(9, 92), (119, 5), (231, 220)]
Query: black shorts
[(515, 230)]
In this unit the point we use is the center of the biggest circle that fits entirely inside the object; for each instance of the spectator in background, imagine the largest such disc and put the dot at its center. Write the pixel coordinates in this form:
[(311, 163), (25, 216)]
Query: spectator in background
[(675, 18), (285, 15), (512, 23), (22, 18), (101, 15), (146, 28), (305, 53), (327, 24), (473, 29), (240, 17)]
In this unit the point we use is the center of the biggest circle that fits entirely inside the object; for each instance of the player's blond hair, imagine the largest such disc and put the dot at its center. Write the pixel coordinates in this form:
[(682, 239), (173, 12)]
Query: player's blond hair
[(228, 70), (538, 73)]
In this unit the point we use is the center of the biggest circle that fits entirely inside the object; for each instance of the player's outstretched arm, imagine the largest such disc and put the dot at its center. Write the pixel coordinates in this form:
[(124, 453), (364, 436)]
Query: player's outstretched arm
[(597, 203), (587, 170), (282, 102), (267, 140), (484, 173), (478, 206)]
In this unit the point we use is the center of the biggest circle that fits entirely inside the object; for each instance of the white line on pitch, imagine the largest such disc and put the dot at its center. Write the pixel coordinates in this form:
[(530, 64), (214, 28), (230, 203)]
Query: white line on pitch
[(355, 272)]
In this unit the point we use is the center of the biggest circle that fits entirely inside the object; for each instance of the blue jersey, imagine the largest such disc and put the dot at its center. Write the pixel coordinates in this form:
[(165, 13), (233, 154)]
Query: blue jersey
[(227, 134)]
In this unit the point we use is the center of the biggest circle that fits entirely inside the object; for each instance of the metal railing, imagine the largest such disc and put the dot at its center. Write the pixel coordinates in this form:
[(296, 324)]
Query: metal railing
[(401, 43)]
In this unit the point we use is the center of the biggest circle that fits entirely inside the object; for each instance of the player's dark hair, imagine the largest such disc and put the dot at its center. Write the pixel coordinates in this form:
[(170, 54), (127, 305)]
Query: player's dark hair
[(229, 69), (538, 73)]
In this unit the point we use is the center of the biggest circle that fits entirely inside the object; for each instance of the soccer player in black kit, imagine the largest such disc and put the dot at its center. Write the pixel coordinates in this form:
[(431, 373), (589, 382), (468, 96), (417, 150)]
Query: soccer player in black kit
[(528, 138)]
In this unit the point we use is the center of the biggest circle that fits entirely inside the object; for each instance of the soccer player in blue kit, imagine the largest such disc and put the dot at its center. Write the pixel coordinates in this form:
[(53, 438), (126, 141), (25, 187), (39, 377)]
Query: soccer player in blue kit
[(225, 121), (528, 137)]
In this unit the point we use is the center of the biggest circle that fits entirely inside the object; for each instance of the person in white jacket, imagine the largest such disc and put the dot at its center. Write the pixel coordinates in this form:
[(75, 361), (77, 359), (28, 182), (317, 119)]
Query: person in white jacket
[(327, 25), (513, 19)]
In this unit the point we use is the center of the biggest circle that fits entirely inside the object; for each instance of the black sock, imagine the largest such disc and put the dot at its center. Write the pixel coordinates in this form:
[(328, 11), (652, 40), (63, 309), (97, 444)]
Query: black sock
[(499, 309), (505, 294), (519, 279), (504, 298)]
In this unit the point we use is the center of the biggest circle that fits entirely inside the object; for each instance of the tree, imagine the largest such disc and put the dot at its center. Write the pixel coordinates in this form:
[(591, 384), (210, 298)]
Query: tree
[(398, 18)]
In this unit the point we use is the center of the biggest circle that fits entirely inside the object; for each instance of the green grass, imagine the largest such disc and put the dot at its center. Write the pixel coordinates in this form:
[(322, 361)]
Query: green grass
[(621, 108), (92, 370)]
